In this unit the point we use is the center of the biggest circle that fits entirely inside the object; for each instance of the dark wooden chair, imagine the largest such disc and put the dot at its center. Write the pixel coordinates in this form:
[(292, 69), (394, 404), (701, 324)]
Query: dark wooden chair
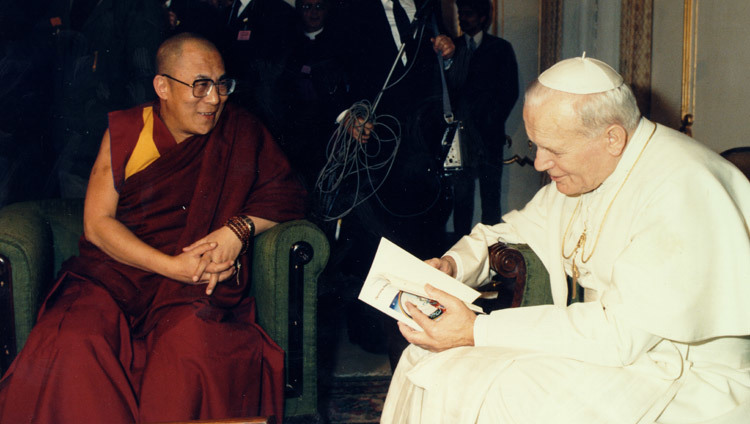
[(740, 157), (520, 279)]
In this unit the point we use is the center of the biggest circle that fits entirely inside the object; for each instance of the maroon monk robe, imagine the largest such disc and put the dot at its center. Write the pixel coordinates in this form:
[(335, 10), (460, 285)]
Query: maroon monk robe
[(135, 346)]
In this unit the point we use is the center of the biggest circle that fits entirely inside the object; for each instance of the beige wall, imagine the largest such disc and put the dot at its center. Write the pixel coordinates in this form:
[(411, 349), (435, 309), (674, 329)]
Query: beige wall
[(722, 95), (520, 26), (719, 93), (666, 66)]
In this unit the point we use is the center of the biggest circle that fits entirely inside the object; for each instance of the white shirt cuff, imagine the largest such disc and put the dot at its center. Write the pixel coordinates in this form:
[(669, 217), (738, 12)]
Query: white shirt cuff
[(459, 264), (480, 330)]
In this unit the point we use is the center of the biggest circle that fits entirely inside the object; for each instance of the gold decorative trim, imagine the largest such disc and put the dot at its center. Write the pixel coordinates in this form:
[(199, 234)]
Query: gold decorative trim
[(689, 64)]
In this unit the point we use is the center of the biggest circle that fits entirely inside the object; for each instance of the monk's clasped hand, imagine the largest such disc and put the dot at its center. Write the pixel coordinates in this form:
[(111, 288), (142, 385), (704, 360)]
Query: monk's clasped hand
[(216, 264)]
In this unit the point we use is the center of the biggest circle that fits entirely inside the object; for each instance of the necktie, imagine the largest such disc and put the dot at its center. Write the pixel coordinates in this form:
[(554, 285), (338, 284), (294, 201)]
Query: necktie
[(402, 21), (472, 44)]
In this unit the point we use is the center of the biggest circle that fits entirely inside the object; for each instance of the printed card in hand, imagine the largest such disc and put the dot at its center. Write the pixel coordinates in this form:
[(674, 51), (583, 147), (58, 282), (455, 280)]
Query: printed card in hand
[(397, 277)]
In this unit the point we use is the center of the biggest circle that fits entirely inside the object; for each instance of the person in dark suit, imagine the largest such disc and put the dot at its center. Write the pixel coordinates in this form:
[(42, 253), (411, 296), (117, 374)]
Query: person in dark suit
[(103, 57), (25, 68), (316, 90), (483, 81), (408, 206), (258, 37)]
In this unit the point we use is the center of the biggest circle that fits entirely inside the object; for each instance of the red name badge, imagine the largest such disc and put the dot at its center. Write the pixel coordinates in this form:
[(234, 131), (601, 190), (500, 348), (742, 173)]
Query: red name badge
[(243, 35)]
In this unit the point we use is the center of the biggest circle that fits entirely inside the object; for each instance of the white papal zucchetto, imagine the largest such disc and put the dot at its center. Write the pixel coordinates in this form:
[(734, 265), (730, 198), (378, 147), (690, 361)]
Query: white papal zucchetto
[(581, 75)]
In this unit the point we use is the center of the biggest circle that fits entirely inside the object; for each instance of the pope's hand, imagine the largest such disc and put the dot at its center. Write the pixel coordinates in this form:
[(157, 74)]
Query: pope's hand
[(445, 264), (453, 328)]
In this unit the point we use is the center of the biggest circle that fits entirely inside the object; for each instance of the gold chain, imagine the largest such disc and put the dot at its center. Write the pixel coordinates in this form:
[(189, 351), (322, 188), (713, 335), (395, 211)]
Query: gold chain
[(581, 244), (581, 240)]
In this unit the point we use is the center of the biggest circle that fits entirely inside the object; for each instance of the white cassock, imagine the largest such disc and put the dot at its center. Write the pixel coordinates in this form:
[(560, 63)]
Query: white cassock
[(663, 334)]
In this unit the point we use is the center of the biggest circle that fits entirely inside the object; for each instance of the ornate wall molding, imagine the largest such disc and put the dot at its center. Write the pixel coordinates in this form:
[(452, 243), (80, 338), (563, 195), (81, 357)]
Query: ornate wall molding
[(635, 49), (550, 32)]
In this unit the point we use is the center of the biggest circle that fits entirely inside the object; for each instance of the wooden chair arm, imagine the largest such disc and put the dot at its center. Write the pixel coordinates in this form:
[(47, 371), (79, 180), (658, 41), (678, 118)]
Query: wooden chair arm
[(510, 267), (521, 278)]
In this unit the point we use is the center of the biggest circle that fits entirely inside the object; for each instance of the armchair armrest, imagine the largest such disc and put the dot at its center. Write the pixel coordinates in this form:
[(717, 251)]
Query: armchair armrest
[(520, 271), (35, 238), (287, 260)]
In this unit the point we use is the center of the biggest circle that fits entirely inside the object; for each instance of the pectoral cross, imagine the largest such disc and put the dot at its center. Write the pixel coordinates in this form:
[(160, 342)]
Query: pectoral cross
[(574, 267)]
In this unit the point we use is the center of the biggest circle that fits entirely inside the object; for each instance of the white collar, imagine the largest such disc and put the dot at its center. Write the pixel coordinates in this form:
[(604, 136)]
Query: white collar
[(477, 38), (409, 7), (312, 35), (243, 5)]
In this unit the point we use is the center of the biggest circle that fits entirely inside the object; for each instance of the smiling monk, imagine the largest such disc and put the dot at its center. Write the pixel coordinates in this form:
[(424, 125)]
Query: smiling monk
[(152, 321)]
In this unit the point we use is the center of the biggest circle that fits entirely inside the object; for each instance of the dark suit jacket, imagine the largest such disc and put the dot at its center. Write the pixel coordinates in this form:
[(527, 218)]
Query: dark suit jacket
[(316, 90), (104, 61), (370, 53), (256, 57), (484, 89), (271, 24), (408, 204)]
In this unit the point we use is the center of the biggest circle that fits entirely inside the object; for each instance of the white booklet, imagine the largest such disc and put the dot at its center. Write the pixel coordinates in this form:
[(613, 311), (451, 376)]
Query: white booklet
[(396, 277)]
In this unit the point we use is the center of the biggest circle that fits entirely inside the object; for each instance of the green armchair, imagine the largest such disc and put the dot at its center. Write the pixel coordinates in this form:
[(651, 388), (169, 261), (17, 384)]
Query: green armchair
[(36, 237)]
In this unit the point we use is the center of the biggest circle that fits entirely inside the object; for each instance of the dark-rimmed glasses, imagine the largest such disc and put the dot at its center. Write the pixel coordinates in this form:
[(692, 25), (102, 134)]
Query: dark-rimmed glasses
[(316, 6), (202, 87)]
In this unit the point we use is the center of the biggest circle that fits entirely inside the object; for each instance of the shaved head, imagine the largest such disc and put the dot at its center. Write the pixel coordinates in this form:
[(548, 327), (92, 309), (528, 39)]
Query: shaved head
[(181, 61), (171, 50)]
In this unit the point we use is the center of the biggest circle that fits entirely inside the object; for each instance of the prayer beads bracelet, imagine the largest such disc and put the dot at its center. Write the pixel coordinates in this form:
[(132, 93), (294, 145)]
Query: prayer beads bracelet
[(244, 228)]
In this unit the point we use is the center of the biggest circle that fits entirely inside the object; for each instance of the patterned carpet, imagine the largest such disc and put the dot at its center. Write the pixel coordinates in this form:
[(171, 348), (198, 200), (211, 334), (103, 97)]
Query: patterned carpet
[(355, 400)]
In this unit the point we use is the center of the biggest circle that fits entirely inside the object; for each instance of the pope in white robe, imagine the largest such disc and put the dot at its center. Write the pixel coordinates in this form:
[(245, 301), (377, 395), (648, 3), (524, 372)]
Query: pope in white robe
[(653, 225)]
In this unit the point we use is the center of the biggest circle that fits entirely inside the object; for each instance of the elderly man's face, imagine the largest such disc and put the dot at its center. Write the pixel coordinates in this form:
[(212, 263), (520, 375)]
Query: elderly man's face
[(185, 114), (576, 164), (314, 13)]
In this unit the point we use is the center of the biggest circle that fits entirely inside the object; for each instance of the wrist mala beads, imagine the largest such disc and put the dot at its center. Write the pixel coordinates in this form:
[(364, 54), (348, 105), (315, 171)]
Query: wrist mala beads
[(244, 228)]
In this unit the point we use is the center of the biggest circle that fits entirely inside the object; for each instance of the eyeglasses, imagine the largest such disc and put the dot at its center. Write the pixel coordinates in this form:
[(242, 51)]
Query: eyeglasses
[(317, 6), (202, 87)]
